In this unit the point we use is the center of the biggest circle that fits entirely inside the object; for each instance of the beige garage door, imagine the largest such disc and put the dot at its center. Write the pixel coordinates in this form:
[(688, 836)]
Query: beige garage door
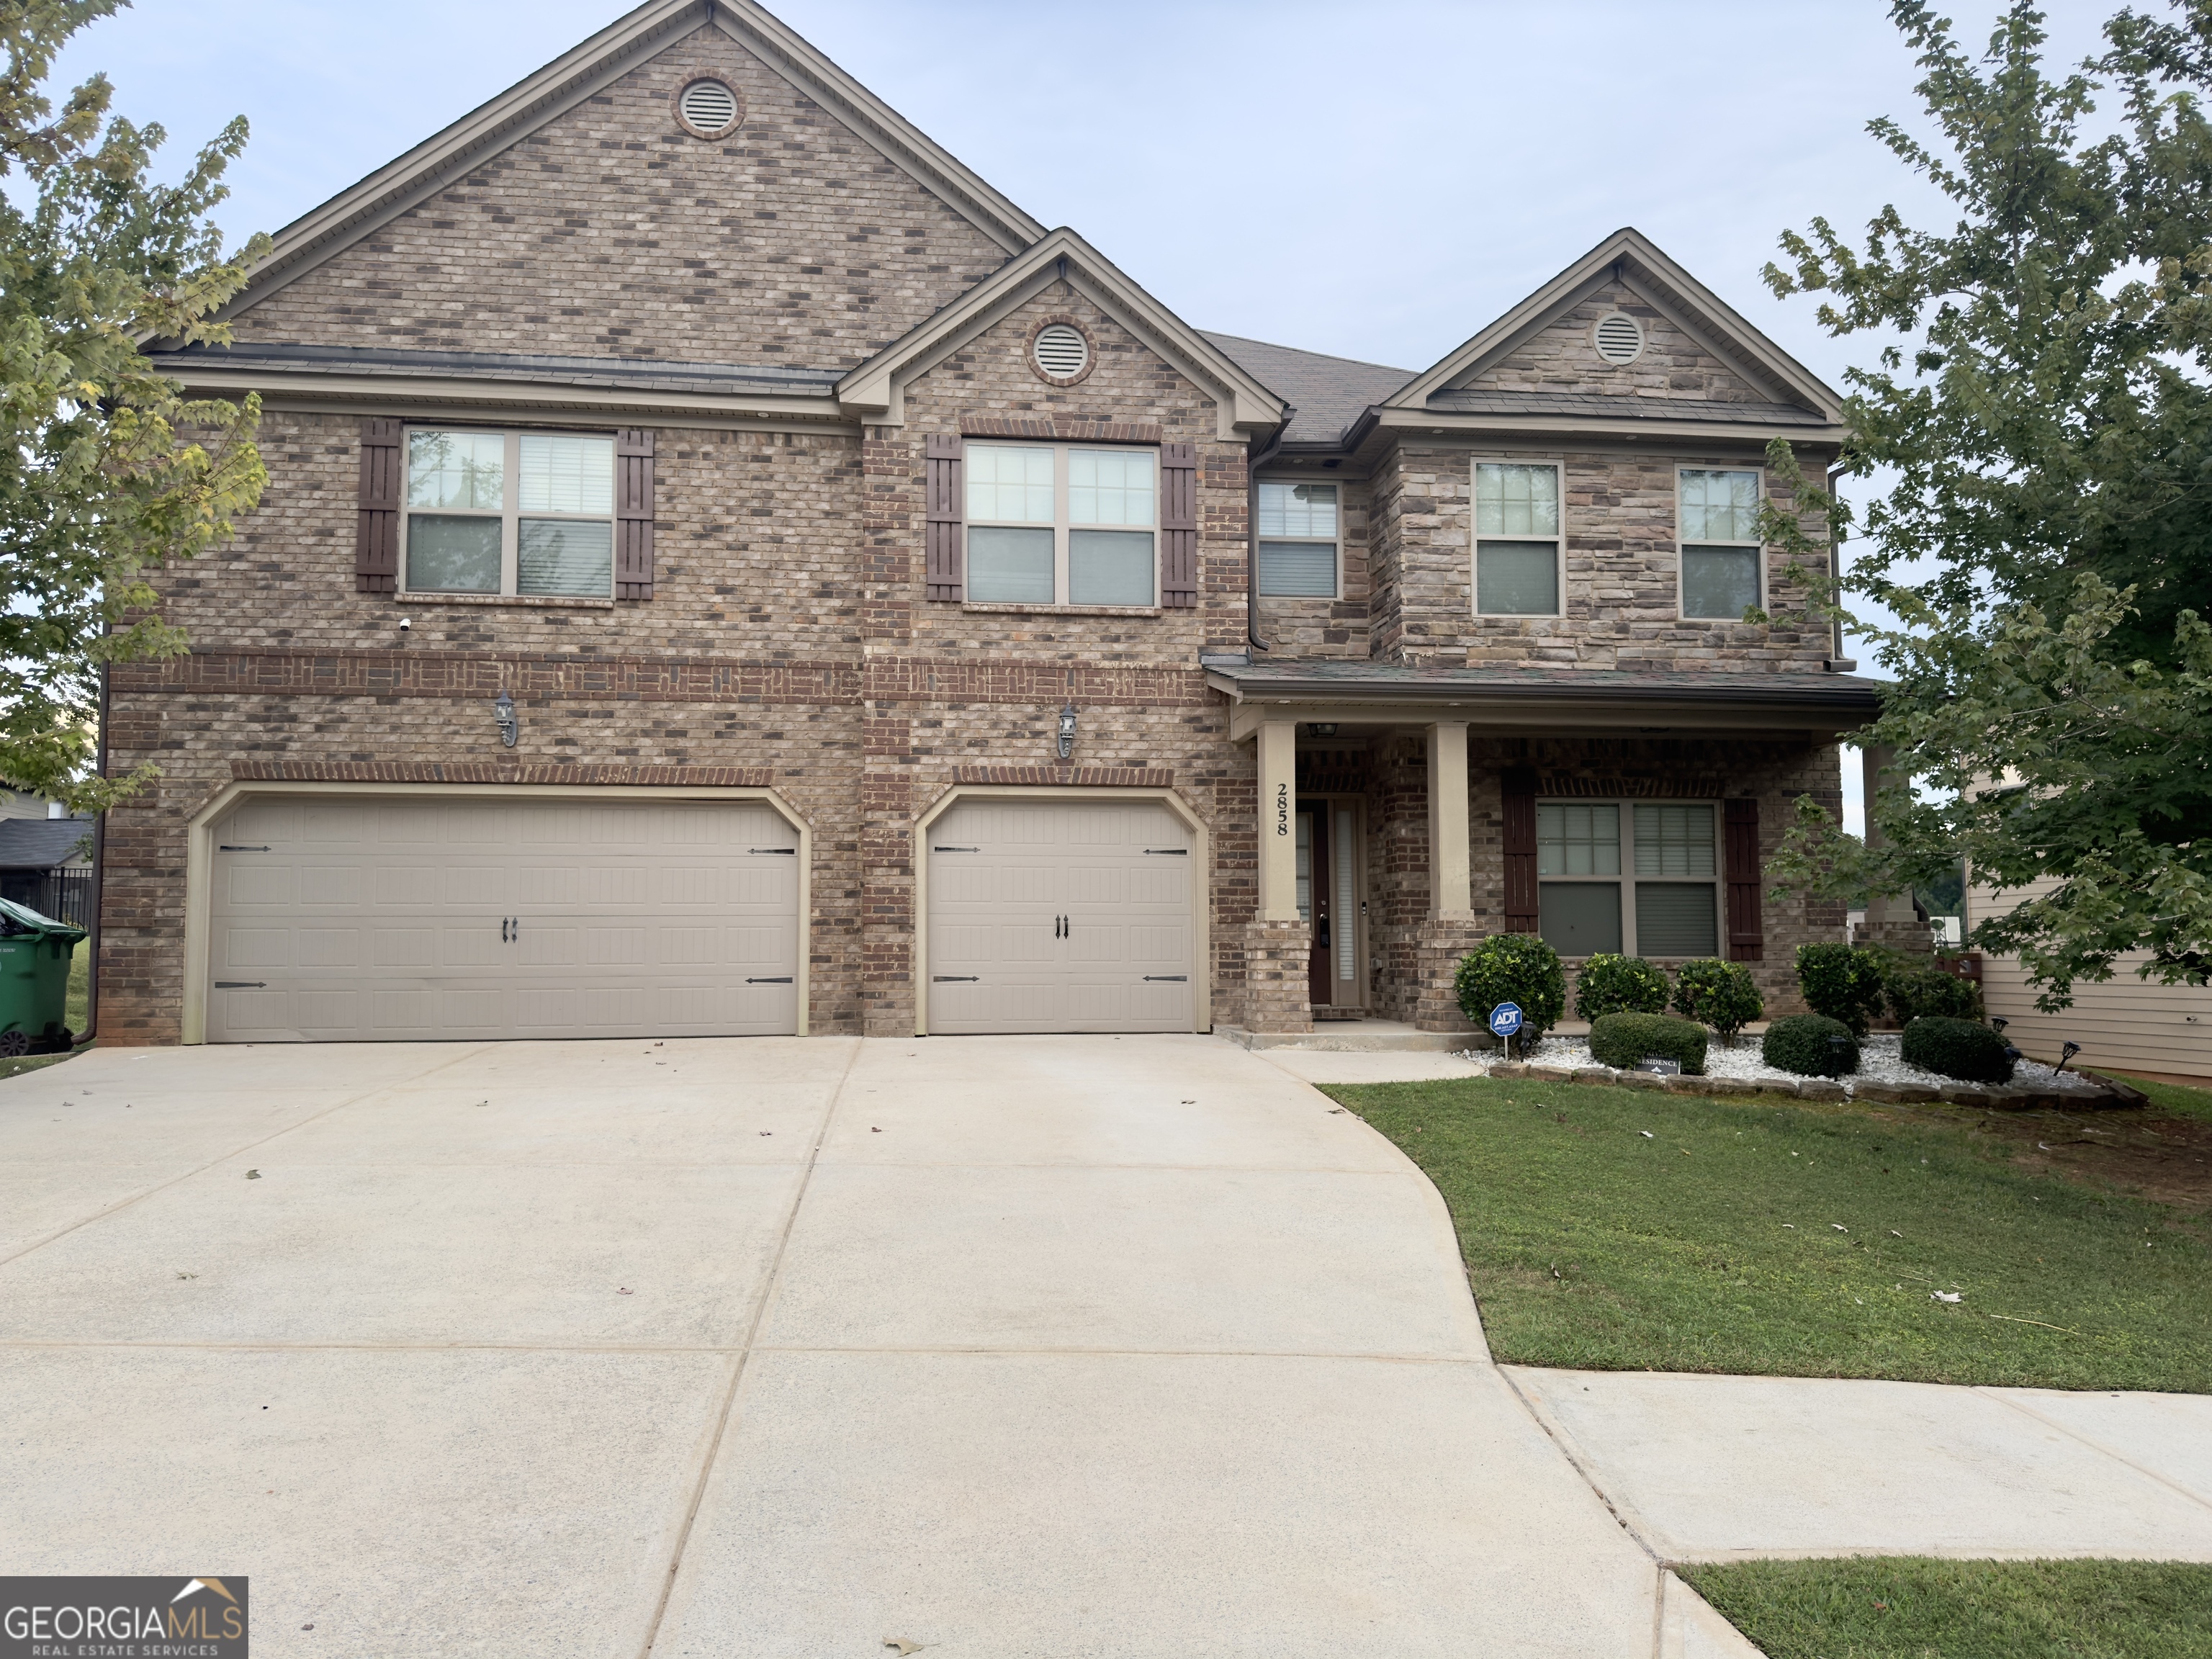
[(1061, 916), (346, 919)]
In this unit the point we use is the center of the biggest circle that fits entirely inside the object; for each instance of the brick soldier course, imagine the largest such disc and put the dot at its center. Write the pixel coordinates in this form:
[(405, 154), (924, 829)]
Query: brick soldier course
[(797, 323)]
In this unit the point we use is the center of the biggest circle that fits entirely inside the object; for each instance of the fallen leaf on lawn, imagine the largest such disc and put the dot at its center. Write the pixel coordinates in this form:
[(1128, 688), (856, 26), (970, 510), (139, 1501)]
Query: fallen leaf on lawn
[(1791, 1226), (1893, 1233), (1685, 1152), (1647, 1134), (1839, 1226), (1948, 1295), (253, 1175)]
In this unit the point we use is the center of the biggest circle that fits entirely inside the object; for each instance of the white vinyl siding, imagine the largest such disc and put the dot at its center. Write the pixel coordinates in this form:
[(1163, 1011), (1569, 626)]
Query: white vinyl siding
[(1298, 544), (530, 513), (1642, 878), (1518, 546), (1720, 551), (1060, 524)]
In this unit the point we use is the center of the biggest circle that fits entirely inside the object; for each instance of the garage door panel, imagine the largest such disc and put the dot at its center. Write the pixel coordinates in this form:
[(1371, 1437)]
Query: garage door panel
[(383, 919), (1000, 959)]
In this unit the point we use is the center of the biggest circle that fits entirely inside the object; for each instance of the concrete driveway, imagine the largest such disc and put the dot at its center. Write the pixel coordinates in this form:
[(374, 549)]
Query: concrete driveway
[(1069, 1345)]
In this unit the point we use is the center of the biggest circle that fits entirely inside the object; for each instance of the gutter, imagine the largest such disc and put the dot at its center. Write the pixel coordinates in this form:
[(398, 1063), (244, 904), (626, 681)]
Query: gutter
[(1252, 530), (1384, 694)]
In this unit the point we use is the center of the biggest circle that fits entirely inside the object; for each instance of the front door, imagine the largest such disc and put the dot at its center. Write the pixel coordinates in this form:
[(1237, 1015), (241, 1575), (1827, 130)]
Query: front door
[(1329, 899)]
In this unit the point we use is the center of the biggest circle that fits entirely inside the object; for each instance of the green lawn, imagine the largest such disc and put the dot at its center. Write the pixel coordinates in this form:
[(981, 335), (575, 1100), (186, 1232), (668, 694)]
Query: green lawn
[(1614, 1229), (1910, 1607)]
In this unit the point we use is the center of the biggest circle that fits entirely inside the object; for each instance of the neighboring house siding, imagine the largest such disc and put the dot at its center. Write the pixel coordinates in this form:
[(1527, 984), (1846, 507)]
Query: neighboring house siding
[(2124, 1023), (610, 231)]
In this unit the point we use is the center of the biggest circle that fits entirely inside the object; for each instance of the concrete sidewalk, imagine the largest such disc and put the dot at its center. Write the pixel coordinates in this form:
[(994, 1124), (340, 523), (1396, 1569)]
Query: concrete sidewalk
[(766, 1347)]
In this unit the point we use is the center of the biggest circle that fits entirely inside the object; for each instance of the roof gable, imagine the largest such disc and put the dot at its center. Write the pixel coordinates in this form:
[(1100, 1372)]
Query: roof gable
[(875, 390), (1698, 348), (439, 162)]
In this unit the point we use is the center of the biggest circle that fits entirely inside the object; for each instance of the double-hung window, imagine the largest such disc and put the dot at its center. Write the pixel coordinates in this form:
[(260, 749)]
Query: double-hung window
[(1518, 549), (1721, 556), (1642, 878), (1297, 540), (1062, 523), (518, 512)]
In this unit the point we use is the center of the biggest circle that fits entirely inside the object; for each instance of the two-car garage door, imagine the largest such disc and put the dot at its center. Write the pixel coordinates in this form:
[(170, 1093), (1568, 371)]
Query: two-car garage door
[(354, 918)]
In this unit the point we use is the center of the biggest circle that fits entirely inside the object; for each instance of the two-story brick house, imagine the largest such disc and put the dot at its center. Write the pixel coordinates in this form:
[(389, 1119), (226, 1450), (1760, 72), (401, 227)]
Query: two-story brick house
[(727, 569)]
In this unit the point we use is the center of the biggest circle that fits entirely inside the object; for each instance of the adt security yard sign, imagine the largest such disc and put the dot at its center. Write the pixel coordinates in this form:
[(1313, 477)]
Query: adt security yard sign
[(1504, 1021)]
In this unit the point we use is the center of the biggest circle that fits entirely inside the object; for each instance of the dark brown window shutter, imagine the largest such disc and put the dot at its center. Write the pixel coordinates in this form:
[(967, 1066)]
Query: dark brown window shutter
[(942, 506), (1179, 525), (1747, 922), (1520, 787), (376, 536), (634, 515)]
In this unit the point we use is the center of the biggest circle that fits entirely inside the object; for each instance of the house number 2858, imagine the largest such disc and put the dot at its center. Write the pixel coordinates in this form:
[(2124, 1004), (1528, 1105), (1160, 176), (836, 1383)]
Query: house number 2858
[(1282, 809)]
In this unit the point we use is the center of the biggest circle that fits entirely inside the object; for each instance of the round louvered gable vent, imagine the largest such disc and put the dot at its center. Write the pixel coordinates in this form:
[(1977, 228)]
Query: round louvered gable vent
[(1619, 338), (1062, 352), (709, 108)]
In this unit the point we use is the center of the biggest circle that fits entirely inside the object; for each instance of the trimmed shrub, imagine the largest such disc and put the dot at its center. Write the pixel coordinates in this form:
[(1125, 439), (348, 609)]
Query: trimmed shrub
[(1963, 1049), (1721, 994), (1806, 1044), (1918, 990), (1516, 967), (1614, 984), (1626, 1040), (1841, 983)]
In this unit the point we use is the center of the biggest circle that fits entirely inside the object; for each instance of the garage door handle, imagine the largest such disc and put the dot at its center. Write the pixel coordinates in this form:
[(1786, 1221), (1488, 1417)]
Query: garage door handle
[(241, 985), (781, 851), (780, 979), (956, 849), (1167, 852), (240, 849), (1178, 979), (956, 979)]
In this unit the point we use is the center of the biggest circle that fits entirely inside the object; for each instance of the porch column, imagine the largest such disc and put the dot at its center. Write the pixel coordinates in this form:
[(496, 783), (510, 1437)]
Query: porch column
[(1278, 744), (1449, 898)]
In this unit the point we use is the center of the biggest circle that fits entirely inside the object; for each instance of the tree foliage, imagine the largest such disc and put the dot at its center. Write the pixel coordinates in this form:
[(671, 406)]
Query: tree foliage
[(106, 470), (2045, 538)]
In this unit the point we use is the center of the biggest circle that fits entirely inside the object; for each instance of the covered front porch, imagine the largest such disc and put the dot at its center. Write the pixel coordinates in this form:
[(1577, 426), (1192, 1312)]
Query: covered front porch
[(1406, 812)]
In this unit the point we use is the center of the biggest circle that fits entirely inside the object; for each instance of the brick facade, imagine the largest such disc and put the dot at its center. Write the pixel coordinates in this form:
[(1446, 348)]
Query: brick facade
[(790, 642)]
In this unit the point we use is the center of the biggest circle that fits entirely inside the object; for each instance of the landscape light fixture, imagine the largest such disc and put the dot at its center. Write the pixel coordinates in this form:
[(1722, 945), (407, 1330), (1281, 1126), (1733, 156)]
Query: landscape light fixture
[(503, 712), (1999, 1024), (1068, 731), (2066, 1052)]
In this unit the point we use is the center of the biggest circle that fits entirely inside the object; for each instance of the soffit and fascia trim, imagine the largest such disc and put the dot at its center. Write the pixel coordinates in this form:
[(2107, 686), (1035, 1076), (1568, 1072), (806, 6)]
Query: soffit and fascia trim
[(875, 390), (435, 164)]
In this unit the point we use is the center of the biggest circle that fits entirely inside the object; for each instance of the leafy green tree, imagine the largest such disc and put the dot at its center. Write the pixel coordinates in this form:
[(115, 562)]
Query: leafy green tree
[(2045, 537), (106, 470)]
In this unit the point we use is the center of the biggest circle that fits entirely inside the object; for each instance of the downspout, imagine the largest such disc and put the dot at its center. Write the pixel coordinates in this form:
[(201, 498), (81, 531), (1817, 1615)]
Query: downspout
[(1252, 528), (99, 876)]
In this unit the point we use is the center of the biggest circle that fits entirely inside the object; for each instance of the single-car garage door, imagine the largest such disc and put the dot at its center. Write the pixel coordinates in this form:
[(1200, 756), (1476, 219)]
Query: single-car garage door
[(358, 919), (1061, 916)]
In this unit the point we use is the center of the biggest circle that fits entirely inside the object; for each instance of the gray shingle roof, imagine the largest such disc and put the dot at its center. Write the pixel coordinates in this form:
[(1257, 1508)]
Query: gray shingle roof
[(42, 843), (1329, 392)]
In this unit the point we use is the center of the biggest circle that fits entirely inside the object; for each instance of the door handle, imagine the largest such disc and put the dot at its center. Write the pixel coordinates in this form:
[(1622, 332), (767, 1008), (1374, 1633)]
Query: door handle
[(502, 930)]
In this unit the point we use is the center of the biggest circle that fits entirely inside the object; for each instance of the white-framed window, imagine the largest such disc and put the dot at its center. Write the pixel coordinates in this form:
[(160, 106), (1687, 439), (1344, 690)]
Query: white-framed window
[(1299, 530), (1062, 523), (1722, 562), (1519, 548), (1642, 878), (524, 512)]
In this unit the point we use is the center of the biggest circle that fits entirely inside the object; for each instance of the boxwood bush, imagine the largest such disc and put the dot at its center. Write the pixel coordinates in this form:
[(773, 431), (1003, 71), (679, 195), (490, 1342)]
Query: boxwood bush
[(1963, 1049), (1918, 989), (1805, 1044), (1516, 967), (1626, 1040), (1721, 994), (1842, 983), (1613, 984)]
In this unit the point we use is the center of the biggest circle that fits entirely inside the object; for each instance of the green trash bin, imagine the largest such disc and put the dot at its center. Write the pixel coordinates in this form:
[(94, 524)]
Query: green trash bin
[(34, 971)]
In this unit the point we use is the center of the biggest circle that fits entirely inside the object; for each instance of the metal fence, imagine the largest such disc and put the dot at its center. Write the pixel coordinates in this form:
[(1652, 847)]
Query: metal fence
[(65, 897)]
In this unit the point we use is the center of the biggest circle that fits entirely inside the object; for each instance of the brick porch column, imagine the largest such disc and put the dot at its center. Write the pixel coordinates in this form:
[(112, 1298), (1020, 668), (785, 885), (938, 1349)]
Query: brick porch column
[(1278, 944)]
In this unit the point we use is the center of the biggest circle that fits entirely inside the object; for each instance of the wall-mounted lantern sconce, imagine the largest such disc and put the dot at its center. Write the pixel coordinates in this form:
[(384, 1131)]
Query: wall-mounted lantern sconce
[(503, 712), (1068, 731)]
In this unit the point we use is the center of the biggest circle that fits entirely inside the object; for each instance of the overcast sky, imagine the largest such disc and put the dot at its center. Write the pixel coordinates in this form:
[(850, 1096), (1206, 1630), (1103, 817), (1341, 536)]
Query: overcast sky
[(1377, 180)]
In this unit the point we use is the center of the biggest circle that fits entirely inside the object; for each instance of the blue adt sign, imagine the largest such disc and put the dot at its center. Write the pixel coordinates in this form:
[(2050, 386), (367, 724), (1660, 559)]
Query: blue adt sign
[(1505, 1020)]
